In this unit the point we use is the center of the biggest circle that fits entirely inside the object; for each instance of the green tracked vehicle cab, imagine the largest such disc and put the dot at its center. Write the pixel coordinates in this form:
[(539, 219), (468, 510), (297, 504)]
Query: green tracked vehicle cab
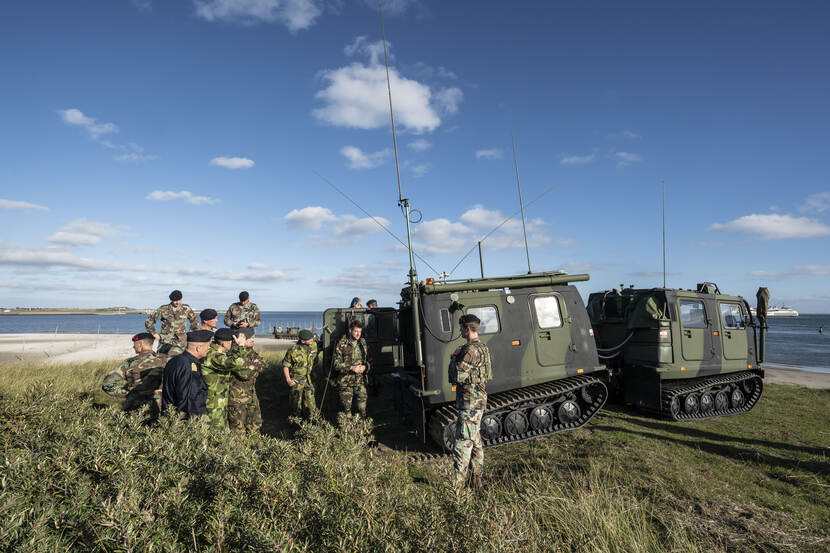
[(681, 354), (540, 341)]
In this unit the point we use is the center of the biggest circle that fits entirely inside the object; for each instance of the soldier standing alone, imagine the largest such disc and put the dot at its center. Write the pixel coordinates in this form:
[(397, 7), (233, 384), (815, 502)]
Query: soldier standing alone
[(297, 366), (470, 369), (243, 313), (217, 366), (173, 317), (243, 404), (351, 361), (138, 379)]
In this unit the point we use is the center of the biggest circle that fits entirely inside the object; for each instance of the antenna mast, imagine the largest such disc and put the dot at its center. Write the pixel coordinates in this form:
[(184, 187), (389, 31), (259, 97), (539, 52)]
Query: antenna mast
[(521, 203), (663, 185)]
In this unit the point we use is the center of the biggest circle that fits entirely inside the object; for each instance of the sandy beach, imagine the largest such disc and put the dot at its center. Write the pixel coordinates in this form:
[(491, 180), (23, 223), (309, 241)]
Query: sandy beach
[(74, 348)]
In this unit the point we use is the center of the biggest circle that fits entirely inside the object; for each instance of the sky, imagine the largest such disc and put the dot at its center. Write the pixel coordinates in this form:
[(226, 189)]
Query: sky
[(214, 146)]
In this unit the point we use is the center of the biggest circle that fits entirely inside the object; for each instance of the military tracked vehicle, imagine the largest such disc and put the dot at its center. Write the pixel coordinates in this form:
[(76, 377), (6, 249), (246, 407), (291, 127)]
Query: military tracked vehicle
[(540, 339), (681, 354)]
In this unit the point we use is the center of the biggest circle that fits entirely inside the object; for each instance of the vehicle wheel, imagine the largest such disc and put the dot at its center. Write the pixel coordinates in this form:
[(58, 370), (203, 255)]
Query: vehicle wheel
[(490, 427), (707, 402), (737, 398), (691, 404), (568, 412), (515, 423), (541, 417), (721, 401)]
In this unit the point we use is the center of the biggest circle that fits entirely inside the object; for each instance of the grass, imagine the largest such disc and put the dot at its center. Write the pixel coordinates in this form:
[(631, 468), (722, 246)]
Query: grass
[(77, 474)]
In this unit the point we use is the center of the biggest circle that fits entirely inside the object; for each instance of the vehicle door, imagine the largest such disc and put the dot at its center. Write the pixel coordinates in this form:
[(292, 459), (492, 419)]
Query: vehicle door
[(693, 328), (733, 330), (552, 333)]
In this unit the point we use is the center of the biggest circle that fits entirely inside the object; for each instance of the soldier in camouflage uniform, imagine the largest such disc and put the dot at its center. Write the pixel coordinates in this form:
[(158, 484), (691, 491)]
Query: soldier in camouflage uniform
[(243, 404), (297, 366), (351, 361), (173, 317), (217, 367), (138, 379), (242, 314), (470, 369), (209, 318)]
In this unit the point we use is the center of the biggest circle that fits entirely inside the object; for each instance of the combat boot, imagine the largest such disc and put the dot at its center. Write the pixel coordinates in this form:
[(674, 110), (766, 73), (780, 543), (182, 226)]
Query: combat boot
[(477, 482)]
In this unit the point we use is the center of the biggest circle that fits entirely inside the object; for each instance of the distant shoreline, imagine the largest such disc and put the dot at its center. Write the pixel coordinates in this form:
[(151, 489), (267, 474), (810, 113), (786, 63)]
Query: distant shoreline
[(75, 311)]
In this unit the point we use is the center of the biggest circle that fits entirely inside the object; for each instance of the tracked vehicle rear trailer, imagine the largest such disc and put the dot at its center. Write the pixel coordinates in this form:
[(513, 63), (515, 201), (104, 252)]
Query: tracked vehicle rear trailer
[(541, 347), (680, 354)]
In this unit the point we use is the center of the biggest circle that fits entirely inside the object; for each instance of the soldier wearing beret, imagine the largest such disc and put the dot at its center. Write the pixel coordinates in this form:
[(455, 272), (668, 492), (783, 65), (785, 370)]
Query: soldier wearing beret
[(209, 318), (173, 317), (217, 366), (183, 386), (470, 368), (138, 379), (297, 367), (242, 314), (351, 361), (243, 404)]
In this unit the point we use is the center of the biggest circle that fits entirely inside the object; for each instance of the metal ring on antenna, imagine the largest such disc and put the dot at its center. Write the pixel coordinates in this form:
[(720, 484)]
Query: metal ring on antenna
[(413, 218)]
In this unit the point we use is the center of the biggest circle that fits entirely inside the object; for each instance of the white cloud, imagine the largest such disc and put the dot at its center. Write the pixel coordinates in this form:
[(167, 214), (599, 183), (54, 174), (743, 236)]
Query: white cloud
[(13, 205), (165, 195), (774, 227), (420, 169), (819, 202), (624, 159), (356, 95), (361, 277), (566, 159), (259, 267), (310, 218), (427, 71), (294, 14), (18, 256), (81, 232), (74, 239), (631, 135), (420, 145), (349, 225), (134, 157), (233, 162), (358, 159), (74, 116), (492, 153), (373, 50), (801, 270)]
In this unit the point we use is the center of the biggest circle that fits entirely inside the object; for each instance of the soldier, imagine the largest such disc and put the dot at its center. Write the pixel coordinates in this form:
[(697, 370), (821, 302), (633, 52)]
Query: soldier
[(138, 379), (297, 366), (182, 384), (372, 304), (242, 314), (173, 317), (209, 319), (243, 404), (351, 360), (470, 369), (217, 366)]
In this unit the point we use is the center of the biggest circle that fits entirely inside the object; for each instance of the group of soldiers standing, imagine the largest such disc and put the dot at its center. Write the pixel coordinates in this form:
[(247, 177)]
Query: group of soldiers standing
[(213, 372)]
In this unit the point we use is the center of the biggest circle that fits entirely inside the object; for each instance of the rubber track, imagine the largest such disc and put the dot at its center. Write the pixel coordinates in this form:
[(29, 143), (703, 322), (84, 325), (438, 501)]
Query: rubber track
[(675, 389), (539, 393)]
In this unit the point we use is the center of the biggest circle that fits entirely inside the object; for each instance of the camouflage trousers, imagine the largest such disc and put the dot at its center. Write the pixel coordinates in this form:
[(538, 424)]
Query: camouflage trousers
[(170, 349), (301, 400), (217, 415), (468, 450), (245, 417), (358, 394)]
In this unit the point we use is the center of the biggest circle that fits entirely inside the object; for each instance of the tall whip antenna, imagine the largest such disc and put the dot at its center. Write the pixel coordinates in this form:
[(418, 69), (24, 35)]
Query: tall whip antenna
[(391, 112), (521, 202), (663, 184)]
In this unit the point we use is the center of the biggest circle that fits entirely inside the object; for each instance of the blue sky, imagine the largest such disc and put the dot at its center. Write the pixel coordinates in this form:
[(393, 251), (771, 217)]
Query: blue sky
[(148, 145)]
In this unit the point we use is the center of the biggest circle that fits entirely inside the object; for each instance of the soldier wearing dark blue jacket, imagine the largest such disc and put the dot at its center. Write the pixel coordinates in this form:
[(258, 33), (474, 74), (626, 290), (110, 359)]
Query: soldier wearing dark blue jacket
[(182, 384)]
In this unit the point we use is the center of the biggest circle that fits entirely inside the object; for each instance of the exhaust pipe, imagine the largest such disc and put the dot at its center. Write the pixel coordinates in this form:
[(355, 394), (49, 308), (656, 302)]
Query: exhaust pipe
[(761, 313)]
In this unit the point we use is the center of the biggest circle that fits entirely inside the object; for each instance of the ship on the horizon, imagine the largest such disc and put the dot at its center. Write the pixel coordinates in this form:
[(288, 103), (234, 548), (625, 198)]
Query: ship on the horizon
[(783, 311)]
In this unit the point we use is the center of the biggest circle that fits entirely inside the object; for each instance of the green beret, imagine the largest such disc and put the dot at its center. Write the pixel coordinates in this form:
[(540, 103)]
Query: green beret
[(306, 335)]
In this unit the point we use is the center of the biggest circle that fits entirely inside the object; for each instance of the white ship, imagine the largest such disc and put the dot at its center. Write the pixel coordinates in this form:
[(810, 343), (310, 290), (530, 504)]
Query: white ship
[(783, 311)]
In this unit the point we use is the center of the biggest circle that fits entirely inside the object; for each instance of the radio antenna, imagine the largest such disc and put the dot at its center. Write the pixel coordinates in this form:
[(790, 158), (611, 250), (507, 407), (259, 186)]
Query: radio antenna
[(663, 185), (391, 112), (521, 203)]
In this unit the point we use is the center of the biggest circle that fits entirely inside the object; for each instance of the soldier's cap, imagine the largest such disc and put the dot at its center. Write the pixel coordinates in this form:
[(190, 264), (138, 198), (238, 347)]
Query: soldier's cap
[(245, 331), (199, 336), (243, 295), (175, 295), (208, 314), (464, 319), (144, 336), (306, 334), (223, 334)]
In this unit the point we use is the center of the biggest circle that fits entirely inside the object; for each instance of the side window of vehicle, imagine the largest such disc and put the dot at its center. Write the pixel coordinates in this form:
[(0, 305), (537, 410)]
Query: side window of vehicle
[(446, 321), (547, 311), (731, 315), (692, 314), (489, 318)]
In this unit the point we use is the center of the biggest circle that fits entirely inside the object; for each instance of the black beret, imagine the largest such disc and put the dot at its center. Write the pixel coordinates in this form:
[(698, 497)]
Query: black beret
[(243, 296), (199, 336), (175, 295), (246, 331), (224, 334), (144, 336), (208, 314), (464, 319)]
